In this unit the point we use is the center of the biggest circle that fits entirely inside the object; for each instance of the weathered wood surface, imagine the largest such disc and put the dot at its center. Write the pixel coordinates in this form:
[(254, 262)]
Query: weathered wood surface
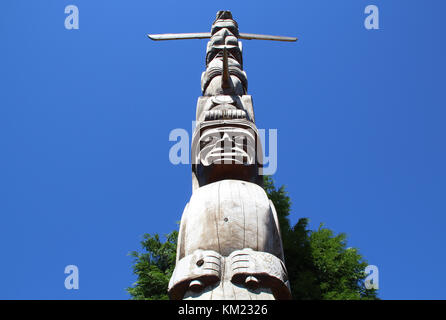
[(205, 35), (235, 221), (229, 244)]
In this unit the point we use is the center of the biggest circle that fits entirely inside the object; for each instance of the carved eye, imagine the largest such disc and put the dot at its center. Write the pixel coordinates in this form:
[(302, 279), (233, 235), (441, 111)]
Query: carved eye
[(232, 29), (235, 53), (216, 29), (205, 141)]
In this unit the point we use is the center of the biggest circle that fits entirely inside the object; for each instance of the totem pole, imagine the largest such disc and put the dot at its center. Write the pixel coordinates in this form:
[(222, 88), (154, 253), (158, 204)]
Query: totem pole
[(229, 243)]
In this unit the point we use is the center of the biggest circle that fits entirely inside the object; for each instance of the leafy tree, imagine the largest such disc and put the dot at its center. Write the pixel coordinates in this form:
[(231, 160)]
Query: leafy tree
[(319, 264), (154, 267)]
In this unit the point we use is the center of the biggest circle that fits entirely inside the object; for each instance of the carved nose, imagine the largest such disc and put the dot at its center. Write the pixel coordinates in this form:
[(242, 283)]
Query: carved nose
[(196, 286), (252, 282), (226, 137), (226, 143)]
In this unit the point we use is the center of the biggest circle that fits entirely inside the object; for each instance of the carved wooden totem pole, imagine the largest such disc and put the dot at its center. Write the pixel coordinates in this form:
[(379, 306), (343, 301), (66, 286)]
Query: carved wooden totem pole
[(229, 243)]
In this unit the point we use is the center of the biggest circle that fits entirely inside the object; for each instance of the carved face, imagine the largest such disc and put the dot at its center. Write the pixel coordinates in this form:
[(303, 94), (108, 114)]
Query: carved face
[(226, 149), (228, 24), (211, 81), (224, 39), (224, 36), (227, 145)]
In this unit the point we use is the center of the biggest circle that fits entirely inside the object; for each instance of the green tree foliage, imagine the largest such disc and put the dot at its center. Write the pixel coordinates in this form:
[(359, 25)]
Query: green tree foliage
[(154, 267), (320, 266)]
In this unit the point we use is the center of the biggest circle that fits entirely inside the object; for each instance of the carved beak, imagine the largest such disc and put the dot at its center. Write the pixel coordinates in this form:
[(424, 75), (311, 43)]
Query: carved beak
[(226, 78)]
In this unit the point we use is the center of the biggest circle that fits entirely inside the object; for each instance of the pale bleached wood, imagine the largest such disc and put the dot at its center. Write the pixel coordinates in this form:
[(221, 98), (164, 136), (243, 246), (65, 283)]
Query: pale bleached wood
[(229, 240)]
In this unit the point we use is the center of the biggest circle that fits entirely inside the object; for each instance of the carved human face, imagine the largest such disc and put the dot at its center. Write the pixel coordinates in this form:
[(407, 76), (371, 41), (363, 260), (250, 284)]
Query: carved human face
[(227, 145)]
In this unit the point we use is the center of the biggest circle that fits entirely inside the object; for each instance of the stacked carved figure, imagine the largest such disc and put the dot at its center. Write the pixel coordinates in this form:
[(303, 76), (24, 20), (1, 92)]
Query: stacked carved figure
[(229, 243)]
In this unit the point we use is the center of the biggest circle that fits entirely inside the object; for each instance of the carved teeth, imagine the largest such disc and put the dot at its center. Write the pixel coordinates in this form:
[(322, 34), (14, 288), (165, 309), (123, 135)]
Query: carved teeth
[(224, 114)]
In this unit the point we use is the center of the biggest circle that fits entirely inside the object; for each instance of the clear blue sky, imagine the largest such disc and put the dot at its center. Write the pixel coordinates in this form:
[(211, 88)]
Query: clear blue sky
[(85, 117)]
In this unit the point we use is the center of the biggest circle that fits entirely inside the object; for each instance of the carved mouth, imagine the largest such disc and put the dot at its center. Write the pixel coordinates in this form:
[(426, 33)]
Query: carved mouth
[(234, 156), (226, 145)]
